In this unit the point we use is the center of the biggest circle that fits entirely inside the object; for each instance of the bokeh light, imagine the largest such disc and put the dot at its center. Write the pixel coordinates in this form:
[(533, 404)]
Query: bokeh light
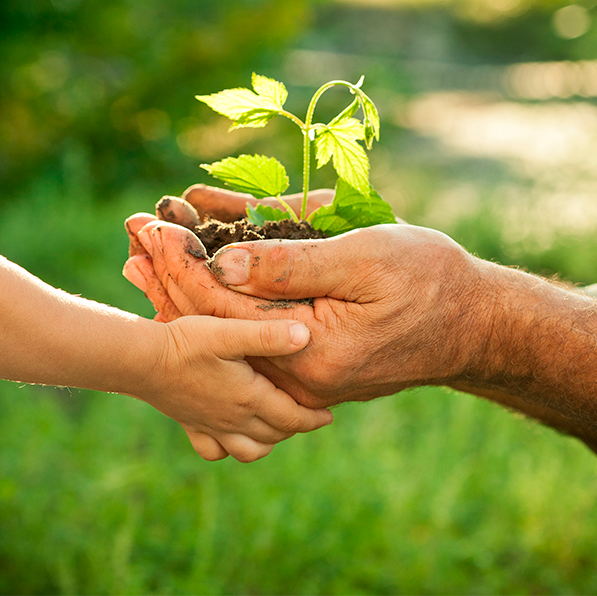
[(571, 21)]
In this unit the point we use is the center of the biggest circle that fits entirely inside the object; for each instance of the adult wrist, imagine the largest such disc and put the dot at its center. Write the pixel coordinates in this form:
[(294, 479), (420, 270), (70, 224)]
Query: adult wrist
[(525, 324)]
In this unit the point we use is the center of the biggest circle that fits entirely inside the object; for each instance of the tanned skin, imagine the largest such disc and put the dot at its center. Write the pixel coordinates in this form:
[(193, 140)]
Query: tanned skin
[(395, 306)]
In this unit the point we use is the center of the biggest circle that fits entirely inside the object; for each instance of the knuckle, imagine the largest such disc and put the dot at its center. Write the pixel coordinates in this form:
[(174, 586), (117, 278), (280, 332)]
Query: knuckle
[(228, 339), (249, 402), (293, 423), (280, 262), (270, 336)]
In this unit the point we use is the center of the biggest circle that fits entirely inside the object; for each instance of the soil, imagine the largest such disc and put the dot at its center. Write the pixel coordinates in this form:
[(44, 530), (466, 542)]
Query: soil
[(215, 234)]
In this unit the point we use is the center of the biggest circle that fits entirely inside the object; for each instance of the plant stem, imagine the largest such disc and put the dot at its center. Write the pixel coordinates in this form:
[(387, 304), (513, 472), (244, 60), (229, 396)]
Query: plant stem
[(307, 128), (288, 208), (306, 170), (294, 119)]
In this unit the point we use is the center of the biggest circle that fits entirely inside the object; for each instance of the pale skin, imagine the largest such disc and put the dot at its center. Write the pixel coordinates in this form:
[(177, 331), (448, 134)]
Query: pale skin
[(395, 306), (191, 369)]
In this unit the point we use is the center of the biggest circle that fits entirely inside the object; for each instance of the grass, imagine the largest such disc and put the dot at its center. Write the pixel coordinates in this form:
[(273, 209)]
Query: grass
[(428, 492)]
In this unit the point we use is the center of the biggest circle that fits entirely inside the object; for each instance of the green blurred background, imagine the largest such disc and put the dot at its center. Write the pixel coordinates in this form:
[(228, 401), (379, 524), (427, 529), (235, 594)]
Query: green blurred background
[(489, 129)]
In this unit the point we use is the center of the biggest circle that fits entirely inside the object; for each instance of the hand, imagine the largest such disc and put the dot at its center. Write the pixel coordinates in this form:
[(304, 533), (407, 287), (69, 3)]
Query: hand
[(397, 306), (377, 325), (224, 406), (191, 369), (200, 201)]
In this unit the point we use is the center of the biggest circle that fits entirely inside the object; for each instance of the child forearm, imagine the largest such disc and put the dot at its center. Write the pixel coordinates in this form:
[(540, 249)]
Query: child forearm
[(50, 337)]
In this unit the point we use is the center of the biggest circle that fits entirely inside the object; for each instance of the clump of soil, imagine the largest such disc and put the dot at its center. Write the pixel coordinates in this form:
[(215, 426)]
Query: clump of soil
[(215, 234)]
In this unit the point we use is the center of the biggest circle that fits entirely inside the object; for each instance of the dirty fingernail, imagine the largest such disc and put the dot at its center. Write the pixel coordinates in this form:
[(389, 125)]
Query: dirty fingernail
[(157, 238), (299, 334), (231, 267), (134, 275)]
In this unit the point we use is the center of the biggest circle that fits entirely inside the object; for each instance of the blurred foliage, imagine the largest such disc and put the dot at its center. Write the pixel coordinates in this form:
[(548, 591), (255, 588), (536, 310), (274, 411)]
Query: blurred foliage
[(116, 80), (425, 493)]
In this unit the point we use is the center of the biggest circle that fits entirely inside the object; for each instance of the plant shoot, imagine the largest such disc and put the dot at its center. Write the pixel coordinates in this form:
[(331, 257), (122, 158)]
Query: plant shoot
[(342, 141)]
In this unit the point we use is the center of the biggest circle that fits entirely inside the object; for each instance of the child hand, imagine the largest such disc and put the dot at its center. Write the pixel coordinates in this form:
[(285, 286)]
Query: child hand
[(224, 406)]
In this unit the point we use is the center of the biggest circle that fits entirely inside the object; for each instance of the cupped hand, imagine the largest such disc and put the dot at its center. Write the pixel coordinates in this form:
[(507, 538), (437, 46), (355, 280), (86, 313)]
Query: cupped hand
[(227, 205), (200, 201), (391, 308)]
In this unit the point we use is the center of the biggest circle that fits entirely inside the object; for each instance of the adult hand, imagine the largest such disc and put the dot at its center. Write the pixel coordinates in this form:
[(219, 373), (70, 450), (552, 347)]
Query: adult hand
[(366, 310), (396, 306), (200, 201)]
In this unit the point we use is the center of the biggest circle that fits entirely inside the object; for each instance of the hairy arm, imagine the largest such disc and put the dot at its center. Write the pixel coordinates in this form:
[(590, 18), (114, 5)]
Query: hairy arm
[(539, 350)]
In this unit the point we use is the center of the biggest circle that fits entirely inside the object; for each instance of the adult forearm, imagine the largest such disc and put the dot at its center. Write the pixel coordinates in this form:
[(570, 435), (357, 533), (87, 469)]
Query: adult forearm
[(50, 337), (538, 352)]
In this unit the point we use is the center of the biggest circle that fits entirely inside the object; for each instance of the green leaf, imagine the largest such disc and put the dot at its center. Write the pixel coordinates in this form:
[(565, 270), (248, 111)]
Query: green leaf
[(350, 210), (259, 214), (258, 175), (338, 141), (248, 109), (346, 113), (270, 89), (252, 119), (370, 119)]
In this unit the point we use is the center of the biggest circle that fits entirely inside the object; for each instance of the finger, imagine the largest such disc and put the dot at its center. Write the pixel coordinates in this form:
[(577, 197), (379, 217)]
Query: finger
[(177, 211), (243, 448), (237, 338), (193, 289), (186, 258), (228, 206), (291, 269), (132, 225), (263, 432), (150, 237), (280, 411), (207, 447), (140, 272), (222, 204)]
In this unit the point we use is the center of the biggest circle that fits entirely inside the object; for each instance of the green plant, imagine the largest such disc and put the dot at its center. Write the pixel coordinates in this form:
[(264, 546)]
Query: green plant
[(355, 204)]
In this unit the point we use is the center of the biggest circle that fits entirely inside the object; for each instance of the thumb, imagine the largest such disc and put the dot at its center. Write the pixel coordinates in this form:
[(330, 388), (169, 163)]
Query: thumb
[(292, 269), (238, 338)]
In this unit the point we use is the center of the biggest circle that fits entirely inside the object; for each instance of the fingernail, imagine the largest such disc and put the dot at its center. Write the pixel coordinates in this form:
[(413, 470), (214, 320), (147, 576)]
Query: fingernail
[(231, 267), (145, 240), (134, 275), (157, 238), (299, 334)]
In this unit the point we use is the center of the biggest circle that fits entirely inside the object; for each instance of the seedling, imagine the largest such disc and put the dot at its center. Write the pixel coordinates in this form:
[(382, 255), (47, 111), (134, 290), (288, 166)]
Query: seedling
[(355, 205)]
